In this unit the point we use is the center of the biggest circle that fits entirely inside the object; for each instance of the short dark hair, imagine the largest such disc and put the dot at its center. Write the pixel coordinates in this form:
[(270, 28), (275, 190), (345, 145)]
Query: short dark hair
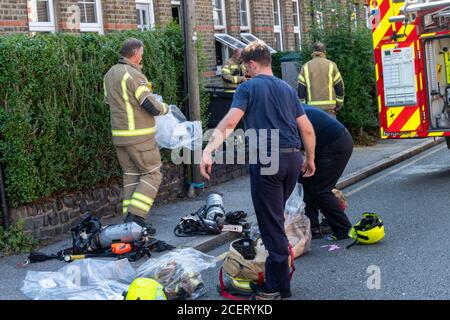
[(257, 51), (130, 46), (320, 47)]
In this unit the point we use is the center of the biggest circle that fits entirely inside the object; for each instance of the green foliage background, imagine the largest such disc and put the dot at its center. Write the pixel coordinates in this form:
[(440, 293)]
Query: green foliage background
[(54, 125)]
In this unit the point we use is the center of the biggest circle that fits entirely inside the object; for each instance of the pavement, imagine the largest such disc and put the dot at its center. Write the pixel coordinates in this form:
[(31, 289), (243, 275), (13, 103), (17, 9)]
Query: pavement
[(236, 196)]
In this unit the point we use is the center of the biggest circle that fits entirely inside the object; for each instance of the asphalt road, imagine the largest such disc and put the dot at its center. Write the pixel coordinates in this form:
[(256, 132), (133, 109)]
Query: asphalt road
[(412, 262)]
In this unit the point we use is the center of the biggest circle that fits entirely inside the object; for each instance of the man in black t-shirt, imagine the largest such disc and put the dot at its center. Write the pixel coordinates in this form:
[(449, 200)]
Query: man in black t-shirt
[(334, 146), (268, 103)]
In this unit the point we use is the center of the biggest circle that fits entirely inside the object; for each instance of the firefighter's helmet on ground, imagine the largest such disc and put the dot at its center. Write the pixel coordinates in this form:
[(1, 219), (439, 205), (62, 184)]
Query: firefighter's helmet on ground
[(369, 230), (145, 289)]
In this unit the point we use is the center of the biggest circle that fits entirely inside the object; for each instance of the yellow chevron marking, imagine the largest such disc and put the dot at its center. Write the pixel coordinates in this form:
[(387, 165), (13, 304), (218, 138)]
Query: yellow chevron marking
[(413, 123), (381, 30), (392, 114), (379, 103), (382, 135)]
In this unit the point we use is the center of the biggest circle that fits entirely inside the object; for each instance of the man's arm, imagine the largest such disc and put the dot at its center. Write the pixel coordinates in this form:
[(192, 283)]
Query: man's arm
[(220, 134), (339, 89), (309, 141), (141, 91), (301, 90)]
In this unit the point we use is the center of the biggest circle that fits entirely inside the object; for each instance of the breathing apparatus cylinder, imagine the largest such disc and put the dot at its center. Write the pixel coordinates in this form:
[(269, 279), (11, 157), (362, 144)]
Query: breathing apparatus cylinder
[(120, 233), (214, 208)]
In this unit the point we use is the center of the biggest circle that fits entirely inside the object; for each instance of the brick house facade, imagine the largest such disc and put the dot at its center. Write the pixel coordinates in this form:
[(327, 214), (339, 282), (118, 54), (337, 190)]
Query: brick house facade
[(282, 24)]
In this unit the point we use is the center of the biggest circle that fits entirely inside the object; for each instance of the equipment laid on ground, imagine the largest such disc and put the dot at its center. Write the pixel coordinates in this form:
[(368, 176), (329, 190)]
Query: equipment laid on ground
[(211, 219), (369, 230), (412, 66), (145, 289), (243, 268), (91, 240), (179, 273), (175, 275)]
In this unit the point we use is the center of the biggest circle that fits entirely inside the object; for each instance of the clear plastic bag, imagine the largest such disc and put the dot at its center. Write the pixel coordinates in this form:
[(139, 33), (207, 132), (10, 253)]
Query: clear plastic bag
[(87, 279), (179, 273), (297, 224), (174, 131)]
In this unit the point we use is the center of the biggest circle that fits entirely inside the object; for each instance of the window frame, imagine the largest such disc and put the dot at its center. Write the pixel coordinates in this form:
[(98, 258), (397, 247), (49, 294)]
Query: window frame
[(224, 17), (249, 21), (298, 28), (151, 13), (49, 26), (94, 26), (278, 29)]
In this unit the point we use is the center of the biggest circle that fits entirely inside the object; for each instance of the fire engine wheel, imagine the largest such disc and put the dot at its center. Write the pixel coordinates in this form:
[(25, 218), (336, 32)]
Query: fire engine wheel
[(447, 139)]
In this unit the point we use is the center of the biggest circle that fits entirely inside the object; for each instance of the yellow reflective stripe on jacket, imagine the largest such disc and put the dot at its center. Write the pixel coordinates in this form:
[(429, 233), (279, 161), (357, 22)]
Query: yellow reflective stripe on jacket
[(340, 100), (321, 103), (226, 70), (308, 83), (104, 88), (301, 79), (133, 133), (235, 79), (337, 78), (165, 108), (130, 112), (330, 81), (141, 197), (140, 91), (140, 205)]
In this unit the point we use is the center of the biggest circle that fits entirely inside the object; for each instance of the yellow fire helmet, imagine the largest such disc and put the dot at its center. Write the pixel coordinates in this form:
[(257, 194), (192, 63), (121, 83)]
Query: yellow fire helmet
[(145, 289), (368, 230)]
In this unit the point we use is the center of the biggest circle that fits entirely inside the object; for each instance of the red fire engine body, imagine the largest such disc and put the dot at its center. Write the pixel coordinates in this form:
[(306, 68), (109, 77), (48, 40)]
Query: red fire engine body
[(412, 65)]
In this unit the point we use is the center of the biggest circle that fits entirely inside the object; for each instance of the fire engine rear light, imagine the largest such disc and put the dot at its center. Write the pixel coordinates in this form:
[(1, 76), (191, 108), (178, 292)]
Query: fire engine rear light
[(431, 67)]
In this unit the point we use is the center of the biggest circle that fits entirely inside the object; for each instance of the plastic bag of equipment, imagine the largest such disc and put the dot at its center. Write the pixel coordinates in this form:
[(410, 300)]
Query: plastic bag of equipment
[(179, 273), (174, 131), (297, 224), (87, 279)]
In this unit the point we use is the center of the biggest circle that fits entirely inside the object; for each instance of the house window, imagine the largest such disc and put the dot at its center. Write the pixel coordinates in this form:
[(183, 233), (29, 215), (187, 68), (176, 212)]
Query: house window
[(244, 10), (222, 51), (145, 15), (41, 15), (297, 23), (277, 25), (91, 16), (176, 11), (219, 14)]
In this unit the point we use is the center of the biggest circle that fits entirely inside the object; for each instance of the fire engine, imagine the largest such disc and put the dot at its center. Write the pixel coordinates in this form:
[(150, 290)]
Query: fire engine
[(411, 41)]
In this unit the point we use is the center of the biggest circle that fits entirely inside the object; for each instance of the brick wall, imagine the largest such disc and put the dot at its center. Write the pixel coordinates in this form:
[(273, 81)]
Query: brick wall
[(205, 31), (287, 9), (119, 15), (262, 20), (13, 16), (163, 11), (66, 16)]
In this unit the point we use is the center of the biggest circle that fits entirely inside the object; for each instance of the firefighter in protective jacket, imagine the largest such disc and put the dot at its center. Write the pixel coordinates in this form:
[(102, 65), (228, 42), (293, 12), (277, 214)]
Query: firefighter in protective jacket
[(133, 108), (233, 71), (320, 83)]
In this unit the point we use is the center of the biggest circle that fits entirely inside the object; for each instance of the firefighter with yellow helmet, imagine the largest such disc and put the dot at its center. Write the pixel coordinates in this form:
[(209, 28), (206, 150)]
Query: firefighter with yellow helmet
[(133, 109), (320, 83), (233, 71)]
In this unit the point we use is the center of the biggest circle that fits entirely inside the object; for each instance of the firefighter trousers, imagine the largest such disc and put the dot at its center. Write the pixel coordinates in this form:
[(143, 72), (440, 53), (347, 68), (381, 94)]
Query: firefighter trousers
[(141, 165)]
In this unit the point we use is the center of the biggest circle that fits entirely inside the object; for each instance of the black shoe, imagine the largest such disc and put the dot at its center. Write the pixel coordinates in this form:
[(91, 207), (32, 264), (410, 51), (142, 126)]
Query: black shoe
[(336, 237), (316, 233), (325, 227), (140, 221), (257, 288)]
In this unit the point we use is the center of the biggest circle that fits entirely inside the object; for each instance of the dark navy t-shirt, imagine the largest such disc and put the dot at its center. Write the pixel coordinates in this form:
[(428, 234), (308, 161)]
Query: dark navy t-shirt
[(327, 128), (270, 103)]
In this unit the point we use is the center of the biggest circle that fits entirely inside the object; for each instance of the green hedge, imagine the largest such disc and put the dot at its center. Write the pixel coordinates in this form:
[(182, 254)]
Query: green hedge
[(54, 125)]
